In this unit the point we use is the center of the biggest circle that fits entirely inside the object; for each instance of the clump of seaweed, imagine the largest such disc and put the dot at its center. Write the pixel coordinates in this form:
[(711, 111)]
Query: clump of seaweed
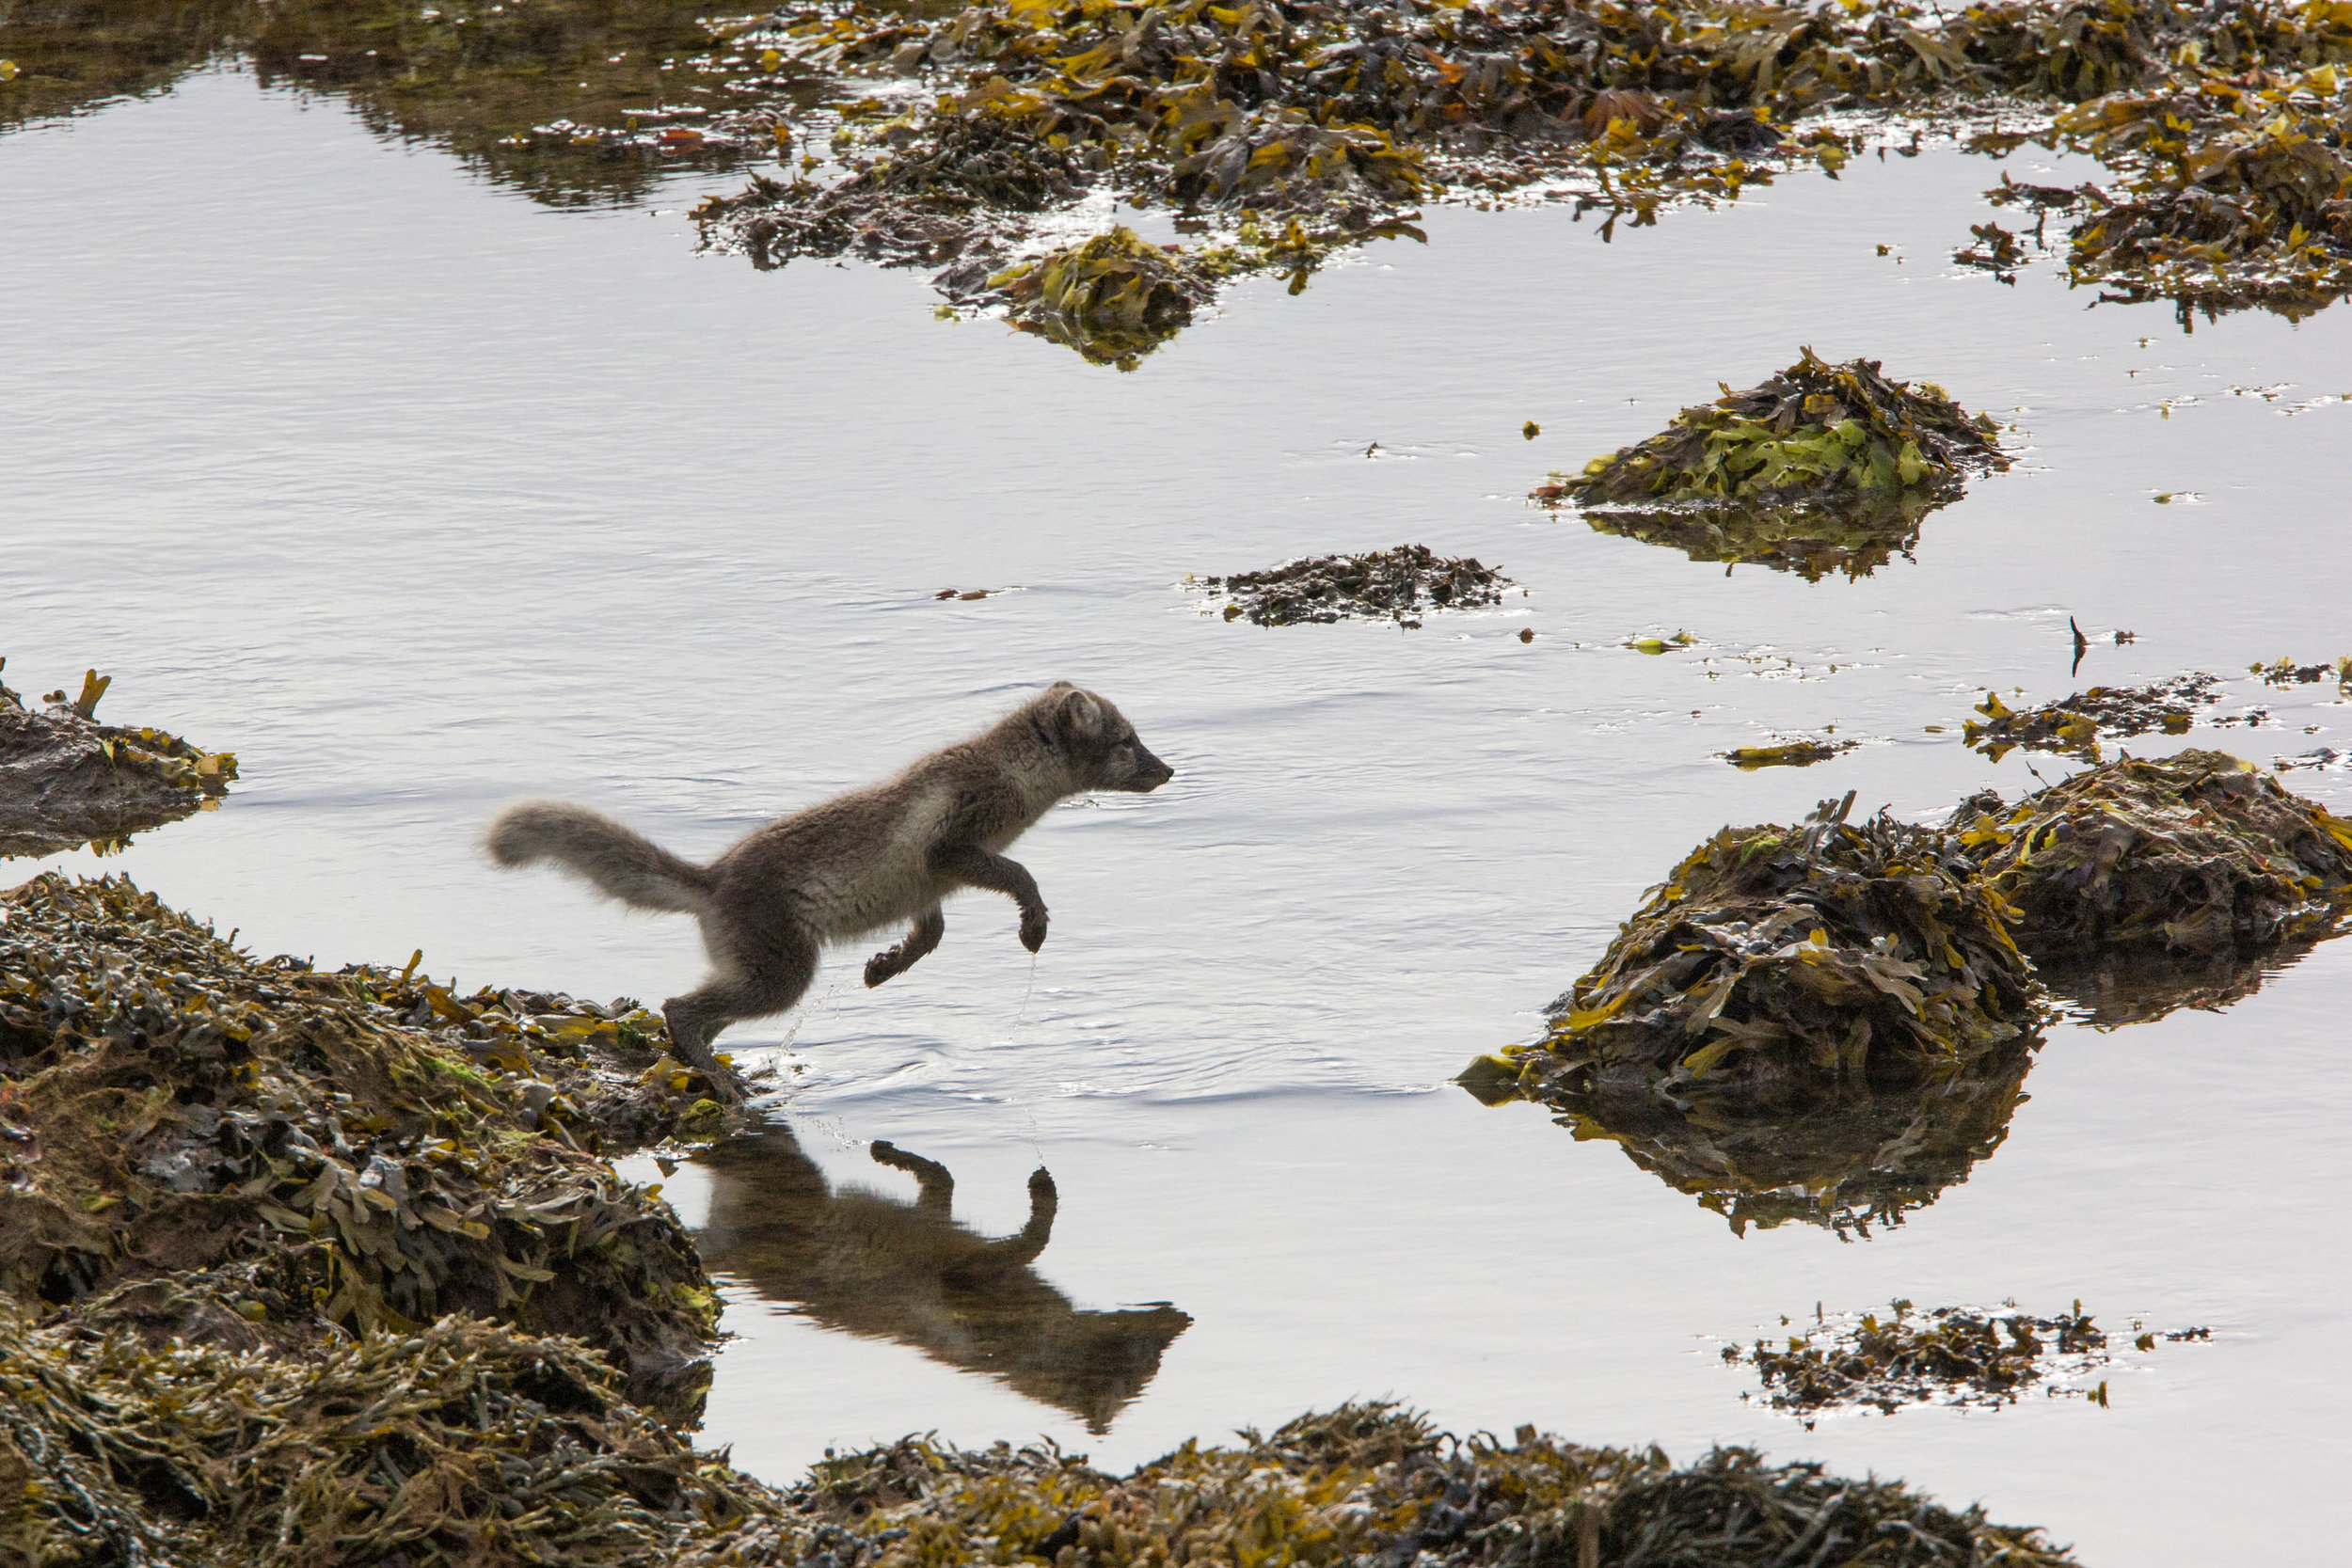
[(1803, 753), (66, 779), (2285, 672), (1773, 960), (175, 1105), (1815, 433), (2198, 853), (2073, 726), (1399, 585), (1946, 1355), (1114, 298), (2233, 186)]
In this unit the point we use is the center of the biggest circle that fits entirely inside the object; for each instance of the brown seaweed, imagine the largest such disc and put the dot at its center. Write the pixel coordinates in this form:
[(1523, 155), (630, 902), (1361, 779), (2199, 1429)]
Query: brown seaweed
[(1945, 1356), (2073, 726), (1399, 585), (2195, 853), (66, 779)]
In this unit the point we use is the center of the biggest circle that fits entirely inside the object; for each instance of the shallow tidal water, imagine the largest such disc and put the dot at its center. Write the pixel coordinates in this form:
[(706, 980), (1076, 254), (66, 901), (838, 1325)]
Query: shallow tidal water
[(418, 496)]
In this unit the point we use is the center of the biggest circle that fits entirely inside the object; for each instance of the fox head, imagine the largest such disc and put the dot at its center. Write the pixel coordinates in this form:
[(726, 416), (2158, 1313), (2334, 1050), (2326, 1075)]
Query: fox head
[(1101, 748)]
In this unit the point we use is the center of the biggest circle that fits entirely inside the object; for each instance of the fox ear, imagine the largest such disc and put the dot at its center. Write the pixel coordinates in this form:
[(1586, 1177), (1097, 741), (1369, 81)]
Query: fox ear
[(1082, 716)]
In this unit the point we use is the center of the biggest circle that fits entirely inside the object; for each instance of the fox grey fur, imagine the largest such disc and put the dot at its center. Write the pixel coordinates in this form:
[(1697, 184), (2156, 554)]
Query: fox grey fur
[(857, 865)]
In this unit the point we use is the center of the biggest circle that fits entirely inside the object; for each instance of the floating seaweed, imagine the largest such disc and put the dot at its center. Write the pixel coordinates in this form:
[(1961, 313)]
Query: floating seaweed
[(2074, 725), (910, 1272), (1774, 961), (2196, 853), (1788, 754), (1399, 585), (175, 1105), (66, 780), (1946, 1355), (2286, 672)]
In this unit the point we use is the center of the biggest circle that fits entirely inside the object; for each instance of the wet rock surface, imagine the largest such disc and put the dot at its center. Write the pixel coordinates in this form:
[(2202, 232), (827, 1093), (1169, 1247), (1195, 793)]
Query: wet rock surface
[(66, 779), (1400, 585)]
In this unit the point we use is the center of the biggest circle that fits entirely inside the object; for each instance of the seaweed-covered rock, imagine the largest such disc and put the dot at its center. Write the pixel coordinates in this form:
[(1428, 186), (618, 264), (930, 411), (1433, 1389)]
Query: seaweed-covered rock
[(1775, 960), (1399, 585), (2197, 852), (1112, 298), (2073, 726), (461, 1441), (1367, 1483), (465, 1443), (66, 780), (1816, 433), (173, 1105)]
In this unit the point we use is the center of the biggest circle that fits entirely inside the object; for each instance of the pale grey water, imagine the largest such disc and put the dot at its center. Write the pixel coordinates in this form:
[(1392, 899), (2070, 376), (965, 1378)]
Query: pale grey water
[(418, 496)]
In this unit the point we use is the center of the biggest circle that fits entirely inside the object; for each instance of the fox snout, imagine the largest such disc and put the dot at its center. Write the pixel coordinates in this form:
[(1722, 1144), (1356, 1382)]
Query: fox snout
[(1150, 772)]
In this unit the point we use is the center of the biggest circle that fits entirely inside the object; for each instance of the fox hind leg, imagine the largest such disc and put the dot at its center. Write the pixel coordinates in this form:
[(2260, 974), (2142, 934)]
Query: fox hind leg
[(756, 984), (920, 939)]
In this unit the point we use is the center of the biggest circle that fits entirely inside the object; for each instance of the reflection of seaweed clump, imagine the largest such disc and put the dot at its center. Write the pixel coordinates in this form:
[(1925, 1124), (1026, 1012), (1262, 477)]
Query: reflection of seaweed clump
[(1860, 1156), (1398, 585), (1112, 298), (1949, 1356), (1774, 959), (1366, 1483), (2197, 852), (66, 780), (1855, 536), (2074, 725), (174, 1105), (1823, 466)]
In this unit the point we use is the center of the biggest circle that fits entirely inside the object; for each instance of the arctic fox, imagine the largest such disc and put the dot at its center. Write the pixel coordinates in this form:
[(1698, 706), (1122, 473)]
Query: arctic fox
[(856, 864)]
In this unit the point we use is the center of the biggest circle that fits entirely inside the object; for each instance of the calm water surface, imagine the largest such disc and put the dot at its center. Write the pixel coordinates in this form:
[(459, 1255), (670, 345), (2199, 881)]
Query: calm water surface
[(418, 496)]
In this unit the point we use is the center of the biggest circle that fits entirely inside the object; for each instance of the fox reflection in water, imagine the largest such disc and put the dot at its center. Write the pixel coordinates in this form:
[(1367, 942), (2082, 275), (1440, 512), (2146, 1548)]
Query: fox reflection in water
[(873, 1265)]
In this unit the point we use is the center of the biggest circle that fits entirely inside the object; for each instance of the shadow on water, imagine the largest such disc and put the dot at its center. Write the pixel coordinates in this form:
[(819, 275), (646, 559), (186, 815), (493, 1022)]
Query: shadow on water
[(1861, 1156), (907, 1272)]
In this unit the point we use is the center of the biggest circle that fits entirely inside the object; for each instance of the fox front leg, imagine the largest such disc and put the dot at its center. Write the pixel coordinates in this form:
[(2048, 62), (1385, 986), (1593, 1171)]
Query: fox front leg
[(975, 867), (920, 939)]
